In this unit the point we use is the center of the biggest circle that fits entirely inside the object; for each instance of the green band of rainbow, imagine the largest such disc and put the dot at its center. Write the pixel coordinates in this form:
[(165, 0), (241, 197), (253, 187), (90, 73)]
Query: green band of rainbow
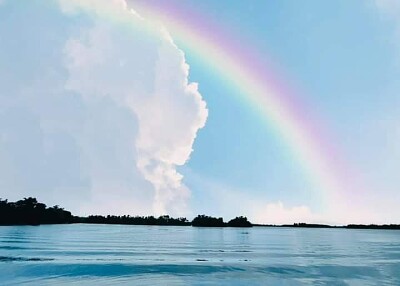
[(257, 87)]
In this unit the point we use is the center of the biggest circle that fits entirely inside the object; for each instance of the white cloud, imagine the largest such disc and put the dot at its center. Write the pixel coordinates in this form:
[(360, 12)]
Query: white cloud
[(388, 6), (114, 7), (390, 10), (218, 199), (97, 112), (277, 213)]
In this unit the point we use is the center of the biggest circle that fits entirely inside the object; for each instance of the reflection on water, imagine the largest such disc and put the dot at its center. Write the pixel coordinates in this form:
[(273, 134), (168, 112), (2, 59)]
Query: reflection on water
[(156, 255)]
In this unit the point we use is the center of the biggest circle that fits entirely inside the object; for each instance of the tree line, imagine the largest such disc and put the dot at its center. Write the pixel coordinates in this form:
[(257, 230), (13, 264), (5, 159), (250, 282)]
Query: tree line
[(29, 211)]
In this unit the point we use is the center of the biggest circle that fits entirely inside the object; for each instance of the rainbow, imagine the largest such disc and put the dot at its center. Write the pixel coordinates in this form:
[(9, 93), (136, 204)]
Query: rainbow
[(257, 86)]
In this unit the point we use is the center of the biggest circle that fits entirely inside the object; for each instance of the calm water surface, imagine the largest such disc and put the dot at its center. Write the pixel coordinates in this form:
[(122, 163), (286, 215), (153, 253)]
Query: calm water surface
[(155, 255)]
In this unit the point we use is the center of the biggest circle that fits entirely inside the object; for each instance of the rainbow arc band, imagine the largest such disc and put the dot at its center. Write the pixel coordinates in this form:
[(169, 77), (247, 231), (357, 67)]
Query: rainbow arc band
[(256, 83)]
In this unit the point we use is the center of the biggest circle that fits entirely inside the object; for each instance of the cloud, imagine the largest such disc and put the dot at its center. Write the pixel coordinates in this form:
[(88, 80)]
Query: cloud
[(96, 109), (218, 199), (390, 10), (215, 198), (388, 6), (277, 213)]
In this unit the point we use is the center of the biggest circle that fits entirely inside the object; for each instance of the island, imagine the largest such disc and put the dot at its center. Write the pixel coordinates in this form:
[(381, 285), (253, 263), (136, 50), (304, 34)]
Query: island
[(29, 211)]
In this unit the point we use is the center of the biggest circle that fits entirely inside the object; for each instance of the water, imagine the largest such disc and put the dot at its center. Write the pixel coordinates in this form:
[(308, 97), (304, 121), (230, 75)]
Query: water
[(155, 255)]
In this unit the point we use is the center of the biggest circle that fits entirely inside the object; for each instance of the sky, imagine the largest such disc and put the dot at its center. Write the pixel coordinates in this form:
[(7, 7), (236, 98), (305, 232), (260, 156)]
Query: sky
[(135, 107)]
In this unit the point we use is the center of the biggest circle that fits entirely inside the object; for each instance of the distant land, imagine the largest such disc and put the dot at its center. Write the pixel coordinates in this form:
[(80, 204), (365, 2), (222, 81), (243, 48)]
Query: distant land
[(29, 211)]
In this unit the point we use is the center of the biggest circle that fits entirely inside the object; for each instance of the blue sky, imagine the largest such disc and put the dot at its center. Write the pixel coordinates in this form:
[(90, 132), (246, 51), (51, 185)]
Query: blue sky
[(95, 111), (343, 57)]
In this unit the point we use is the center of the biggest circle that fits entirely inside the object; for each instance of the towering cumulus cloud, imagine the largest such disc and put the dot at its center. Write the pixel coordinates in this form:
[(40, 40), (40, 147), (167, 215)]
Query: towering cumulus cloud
[(96, 111)]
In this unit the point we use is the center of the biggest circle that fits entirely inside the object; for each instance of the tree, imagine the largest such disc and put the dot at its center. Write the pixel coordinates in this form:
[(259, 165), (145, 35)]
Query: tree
[(239, 221), (207, 221)]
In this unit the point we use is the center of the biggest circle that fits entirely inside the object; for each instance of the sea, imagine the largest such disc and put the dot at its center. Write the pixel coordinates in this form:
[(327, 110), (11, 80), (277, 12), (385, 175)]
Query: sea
[(82, 254)]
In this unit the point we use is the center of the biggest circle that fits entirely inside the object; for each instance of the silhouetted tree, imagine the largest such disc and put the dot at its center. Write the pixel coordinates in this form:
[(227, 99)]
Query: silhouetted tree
[(208, 221), (373, 226), (239, 221), (137, 220), (29, 211)]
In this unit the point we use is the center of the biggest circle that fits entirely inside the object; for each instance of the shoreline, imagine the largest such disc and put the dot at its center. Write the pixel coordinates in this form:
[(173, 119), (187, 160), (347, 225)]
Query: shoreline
[(29, 211), (309, 226)]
